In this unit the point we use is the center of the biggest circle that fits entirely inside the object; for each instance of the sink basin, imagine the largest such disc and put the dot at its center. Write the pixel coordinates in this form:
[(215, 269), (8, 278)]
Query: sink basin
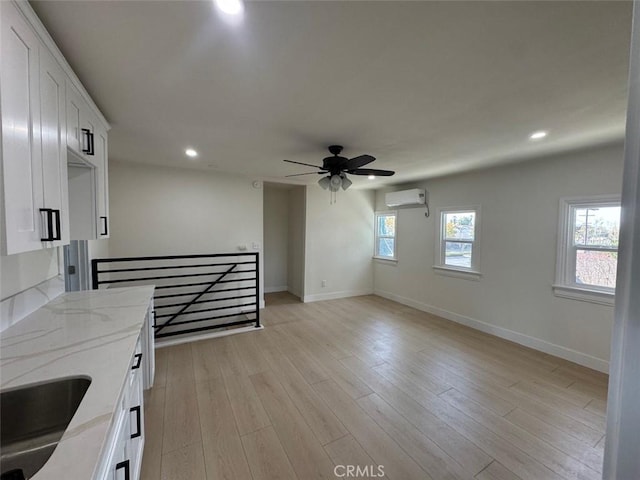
[(33, 419)]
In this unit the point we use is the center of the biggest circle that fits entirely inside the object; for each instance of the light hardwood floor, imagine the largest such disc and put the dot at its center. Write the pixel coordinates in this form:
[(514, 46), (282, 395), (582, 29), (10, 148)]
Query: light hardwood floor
[(369, 382)]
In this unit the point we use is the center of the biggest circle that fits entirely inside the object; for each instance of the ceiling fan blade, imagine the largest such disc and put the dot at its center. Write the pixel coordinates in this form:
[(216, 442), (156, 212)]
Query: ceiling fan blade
[(310, 173), (307, 164), (357, 162), (371, 171)]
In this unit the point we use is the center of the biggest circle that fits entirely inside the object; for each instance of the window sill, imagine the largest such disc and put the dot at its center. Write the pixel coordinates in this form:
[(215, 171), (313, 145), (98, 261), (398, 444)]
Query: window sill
[(457, 272), (385, 260), (584, 294)]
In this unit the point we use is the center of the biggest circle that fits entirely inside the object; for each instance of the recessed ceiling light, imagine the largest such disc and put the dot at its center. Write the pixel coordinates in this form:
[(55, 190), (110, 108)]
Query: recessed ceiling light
[(371, 177), (538, 135), (230, 7), (190, 152)]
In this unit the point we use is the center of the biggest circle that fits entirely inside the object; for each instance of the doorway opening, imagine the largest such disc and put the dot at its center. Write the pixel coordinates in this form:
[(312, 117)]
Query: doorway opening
[(284, 231)]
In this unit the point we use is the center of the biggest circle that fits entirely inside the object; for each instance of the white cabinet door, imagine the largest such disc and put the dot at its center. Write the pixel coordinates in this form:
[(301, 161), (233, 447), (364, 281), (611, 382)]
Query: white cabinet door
[(54, 151), (121, 463), (75, 104), (102, 180), (21, 152), (81, 123), (148, 347), (135, 443)]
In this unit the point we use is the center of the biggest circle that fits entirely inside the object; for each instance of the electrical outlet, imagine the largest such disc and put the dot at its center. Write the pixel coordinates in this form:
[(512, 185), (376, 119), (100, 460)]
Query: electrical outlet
[(255, 246), (324, 283)]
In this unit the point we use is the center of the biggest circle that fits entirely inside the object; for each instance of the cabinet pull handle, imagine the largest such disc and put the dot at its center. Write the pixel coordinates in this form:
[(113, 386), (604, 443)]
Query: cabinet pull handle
[(105, 228), (138, 357), (52, 225), (58, 235), (126, 467), (92, 150), (86, 141), (138, 422), (49, 224)]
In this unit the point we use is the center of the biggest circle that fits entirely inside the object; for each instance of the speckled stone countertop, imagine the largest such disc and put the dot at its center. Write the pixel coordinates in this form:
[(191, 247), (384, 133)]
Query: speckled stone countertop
[(91, 334)]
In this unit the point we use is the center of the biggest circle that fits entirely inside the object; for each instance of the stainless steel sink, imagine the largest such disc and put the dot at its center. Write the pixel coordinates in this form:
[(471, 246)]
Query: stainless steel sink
[(33, 419)]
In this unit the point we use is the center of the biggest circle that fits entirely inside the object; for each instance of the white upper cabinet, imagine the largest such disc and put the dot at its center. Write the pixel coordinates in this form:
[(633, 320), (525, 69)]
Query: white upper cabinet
[(21, 142), (75, 104), (44, 110), (100, 146), (54, 144), (82, 124), (89, 142)]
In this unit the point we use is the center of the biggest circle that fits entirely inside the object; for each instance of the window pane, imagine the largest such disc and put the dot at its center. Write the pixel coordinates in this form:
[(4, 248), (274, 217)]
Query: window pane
[(596, 268), (460, 225), (458, 254), (386, 225), (597, 226), (385, 247)]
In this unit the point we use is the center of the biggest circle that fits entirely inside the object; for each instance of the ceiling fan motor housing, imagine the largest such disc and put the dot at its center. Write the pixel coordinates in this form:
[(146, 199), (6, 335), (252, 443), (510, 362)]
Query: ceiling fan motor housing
[(339, 166)]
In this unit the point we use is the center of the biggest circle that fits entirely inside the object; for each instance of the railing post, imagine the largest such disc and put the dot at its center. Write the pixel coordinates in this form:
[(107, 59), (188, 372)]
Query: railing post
[(94, 274)]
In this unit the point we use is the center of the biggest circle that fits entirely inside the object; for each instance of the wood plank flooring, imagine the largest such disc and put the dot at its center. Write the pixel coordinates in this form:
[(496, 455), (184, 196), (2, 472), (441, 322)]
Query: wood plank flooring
[(368, 382)]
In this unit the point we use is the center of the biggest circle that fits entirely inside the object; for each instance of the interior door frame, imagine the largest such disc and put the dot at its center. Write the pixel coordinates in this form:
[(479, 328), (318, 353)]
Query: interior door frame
[(76, 254)]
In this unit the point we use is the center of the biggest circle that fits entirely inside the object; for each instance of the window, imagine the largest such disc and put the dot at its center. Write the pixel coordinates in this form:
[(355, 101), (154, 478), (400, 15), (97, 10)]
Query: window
[(458, 243), (385, 235), (588, 248)]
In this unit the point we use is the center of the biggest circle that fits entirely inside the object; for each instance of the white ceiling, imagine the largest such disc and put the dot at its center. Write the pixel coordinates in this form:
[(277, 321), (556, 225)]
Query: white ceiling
[(429, 88)]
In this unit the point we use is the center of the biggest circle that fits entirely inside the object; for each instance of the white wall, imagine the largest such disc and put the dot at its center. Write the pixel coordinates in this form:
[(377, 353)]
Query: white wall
[(25, 270), (161, 210), (296, 241), (98, 248), (339, 244), (276, 238), (514, 297), (622, 450)]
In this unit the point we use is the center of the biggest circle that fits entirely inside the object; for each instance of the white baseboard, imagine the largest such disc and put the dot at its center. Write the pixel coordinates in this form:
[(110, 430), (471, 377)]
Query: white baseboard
[(520, 338), (334, 295), (276, 289), (197, 337), (15, 308)]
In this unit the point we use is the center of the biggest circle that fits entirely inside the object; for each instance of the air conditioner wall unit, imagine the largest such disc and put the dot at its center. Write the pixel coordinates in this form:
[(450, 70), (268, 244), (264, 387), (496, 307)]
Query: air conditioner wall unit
[(415, 196)]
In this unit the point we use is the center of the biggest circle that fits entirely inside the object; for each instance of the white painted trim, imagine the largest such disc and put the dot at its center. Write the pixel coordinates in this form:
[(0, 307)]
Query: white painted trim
[(622, 450), (393, 261), (565, 266), (520, 338), (375, 235), (585, 295), (283, 288), (439, 258), (45, 38), (18, 306), (335, 295), (457, 272), (197, 337)]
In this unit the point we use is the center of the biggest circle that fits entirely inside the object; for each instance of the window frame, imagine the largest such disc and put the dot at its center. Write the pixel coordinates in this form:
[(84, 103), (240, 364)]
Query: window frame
[(440, 266), (565, 284), (376, 237)]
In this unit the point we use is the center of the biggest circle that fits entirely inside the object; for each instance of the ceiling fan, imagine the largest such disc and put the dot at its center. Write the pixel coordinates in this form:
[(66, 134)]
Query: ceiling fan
[(336, 168)]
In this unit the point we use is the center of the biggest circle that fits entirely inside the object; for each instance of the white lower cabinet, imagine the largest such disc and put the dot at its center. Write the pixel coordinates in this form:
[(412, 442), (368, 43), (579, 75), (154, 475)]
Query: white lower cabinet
[(123, 458)]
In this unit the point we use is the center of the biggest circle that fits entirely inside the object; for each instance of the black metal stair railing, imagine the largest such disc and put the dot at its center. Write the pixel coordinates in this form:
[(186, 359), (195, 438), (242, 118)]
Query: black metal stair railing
[(193, 293)]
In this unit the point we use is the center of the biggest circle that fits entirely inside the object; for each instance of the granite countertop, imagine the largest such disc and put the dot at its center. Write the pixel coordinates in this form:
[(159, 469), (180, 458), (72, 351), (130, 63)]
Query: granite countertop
[(91, 334)]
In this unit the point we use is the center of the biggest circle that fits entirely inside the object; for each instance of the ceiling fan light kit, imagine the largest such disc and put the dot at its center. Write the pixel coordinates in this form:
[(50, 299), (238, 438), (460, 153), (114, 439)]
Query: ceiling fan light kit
[(337, 168), (324, 182)]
